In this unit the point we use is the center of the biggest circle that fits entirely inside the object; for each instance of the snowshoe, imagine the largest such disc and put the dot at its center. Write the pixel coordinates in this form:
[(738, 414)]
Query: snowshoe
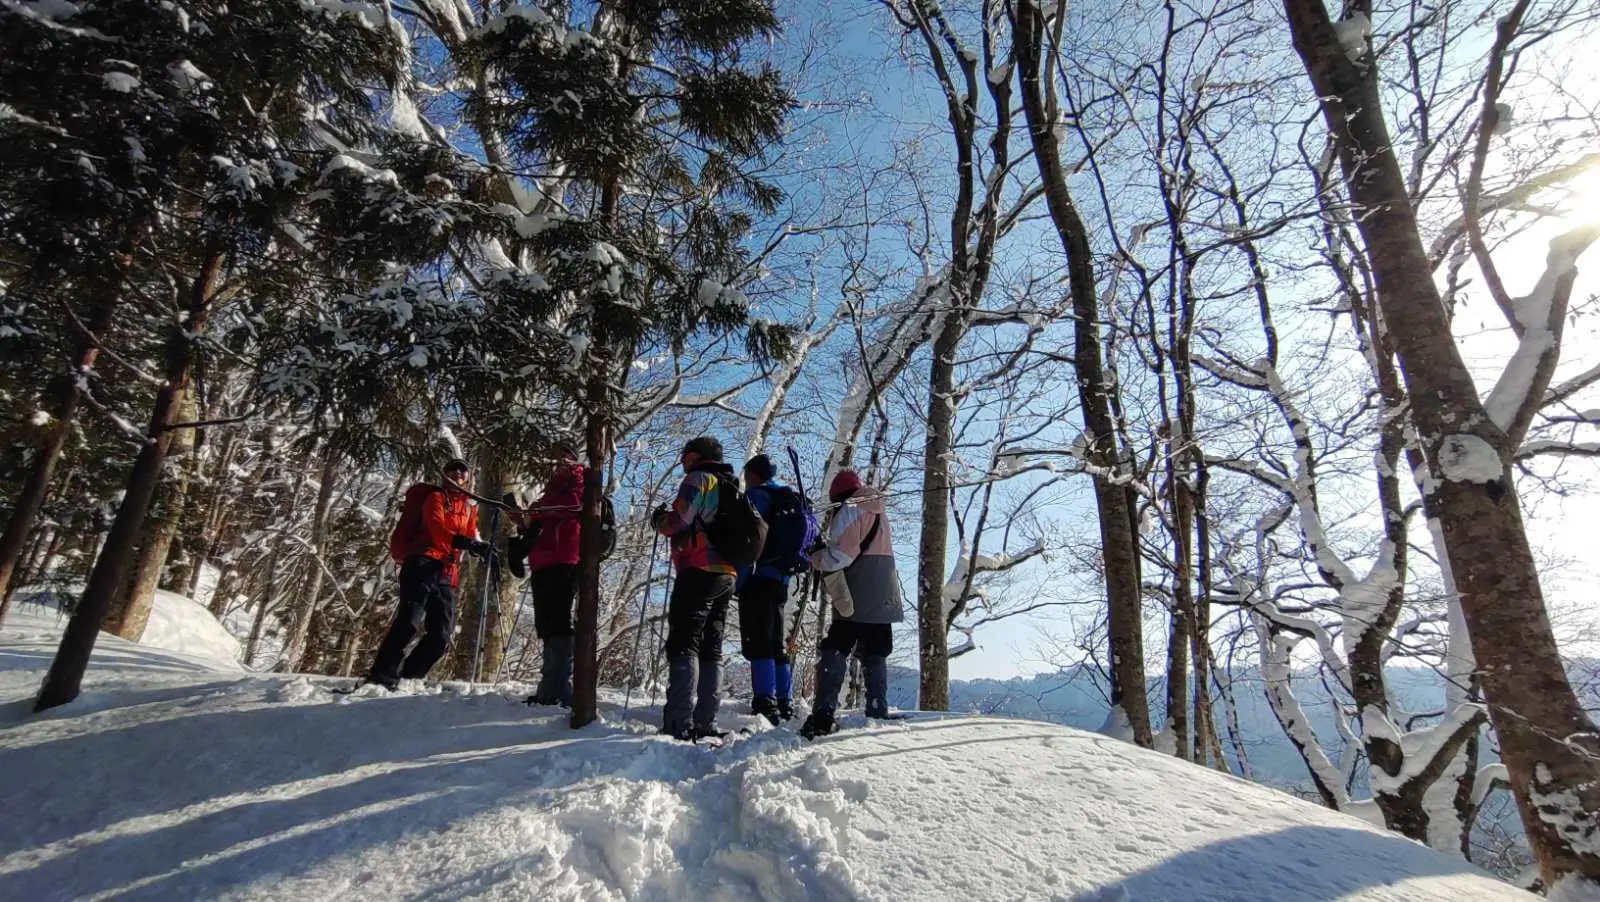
[(548, 701), (889, 715), (819, 724)]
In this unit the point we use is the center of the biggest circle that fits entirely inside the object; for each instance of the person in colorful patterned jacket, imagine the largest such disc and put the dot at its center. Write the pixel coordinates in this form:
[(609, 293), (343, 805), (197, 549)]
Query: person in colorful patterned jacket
[(428, 574), (858, 577), (553, 575), (697, 612)]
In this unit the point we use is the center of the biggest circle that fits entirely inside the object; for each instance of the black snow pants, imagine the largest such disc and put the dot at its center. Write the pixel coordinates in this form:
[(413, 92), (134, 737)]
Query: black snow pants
[(428, 606)]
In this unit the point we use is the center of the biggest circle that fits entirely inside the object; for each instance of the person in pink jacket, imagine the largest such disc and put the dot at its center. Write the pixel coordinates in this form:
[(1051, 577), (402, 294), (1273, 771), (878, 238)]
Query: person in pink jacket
[(858, 577), (553, 575)]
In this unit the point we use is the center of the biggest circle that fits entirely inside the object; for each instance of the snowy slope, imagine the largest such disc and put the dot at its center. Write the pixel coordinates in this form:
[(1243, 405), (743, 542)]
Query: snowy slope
[(173, 781), (178, 624)]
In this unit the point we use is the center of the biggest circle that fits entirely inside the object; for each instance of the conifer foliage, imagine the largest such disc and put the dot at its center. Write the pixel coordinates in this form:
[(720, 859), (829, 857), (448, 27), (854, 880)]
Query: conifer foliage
[(152, 154), (647, 113)]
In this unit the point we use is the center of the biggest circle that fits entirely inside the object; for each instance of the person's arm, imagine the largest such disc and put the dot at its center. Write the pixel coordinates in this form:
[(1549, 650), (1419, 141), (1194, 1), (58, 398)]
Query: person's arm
[(685, 507), (843, 546)]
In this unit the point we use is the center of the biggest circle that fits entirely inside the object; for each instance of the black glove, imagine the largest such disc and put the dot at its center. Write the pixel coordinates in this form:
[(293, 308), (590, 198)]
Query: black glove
[(815, 547), (472, 546), (658, 515)]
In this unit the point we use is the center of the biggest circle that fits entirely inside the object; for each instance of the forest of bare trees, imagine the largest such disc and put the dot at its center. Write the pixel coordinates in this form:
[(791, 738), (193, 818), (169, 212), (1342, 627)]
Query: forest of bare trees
[(1230, 345)]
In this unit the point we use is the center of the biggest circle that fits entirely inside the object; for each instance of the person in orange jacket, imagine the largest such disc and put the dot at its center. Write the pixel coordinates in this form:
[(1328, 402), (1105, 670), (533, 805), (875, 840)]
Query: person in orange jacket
[(449, 525)]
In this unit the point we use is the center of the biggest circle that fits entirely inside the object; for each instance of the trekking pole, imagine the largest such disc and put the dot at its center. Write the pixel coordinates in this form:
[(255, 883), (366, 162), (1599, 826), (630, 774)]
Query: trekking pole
[(483, 605), (644, 611), (511, 634)]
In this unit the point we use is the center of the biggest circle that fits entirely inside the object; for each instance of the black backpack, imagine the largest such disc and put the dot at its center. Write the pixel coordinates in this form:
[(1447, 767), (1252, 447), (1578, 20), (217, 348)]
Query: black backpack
[(791, 528), (737, 532)]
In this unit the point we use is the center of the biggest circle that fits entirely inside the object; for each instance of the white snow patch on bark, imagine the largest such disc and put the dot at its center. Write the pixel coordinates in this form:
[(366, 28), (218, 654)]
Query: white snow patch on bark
[(1353, 33), (1565, 811), (1533, 312), (1464, 457)]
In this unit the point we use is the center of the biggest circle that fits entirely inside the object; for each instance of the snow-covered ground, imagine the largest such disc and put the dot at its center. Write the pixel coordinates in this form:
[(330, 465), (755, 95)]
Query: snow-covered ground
[(174, 778)]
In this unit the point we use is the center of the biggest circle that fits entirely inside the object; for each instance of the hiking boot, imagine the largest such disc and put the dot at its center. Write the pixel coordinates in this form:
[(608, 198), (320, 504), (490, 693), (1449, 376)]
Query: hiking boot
[(710, 732), (819, 724), (785, 709), (766, 706), (546, 700), (684, 735)]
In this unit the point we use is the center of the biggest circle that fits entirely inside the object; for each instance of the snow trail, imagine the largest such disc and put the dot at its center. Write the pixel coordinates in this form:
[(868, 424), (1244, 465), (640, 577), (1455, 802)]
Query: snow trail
[(172, 778)]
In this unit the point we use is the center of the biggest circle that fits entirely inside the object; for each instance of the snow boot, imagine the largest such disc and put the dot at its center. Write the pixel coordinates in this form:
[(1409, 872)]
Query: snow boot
[(785, 708), (708, 732), (766, 706), (677, 714), (708, 689), (555, 676), (875, 674), (820, 723)]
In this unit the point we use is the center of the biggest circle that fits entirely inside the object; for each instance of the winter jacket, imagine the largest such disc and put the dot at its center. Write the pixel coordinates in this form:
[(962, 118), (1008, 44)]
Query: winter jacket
[(870, 592), (762, 499), (445, 515), (558, 535), (694, 506)]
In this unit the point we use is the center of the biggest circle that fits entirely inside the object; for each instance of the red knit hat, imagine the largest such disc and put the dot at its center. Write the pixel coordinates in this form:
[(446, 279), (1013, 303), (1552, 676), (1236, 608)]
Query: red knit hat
[(845, 484)]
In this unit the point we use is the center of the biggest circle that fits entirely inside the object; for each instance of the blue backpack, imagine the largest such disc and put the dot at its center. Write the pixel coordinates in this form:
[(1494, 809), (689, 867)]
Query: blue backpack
[(791, 529)]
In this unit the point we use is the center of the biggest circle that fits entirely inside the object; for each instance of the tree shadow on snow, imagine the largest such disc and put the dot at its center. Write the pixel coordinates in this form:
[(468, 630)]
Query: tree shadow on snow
[(77, 784), (144, 658), (1307, 863)]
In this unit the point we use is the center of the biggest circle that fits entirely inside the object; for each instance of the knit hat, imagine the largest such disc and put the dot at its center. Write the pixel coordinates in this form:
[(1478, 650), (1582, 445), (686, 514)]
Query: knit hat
[(456, 463), (844, 485), (707, 447), (761, 467)]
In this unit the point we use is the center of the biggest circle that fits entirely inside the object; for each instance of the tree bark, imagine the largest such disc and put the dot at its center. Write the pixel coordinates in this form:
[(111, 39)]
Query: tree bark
[(62, 683), (1119, 548), (130, 610), (294, 644), (69, 395), (1546, 739), (586, 644), (933, 690)]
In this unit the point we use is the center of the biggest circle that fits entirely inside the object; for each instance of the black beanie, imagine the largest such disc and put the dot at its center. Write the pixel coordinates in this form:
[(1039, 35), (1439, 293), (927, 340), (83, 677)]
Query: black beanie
[(707, 447), (761, 467)]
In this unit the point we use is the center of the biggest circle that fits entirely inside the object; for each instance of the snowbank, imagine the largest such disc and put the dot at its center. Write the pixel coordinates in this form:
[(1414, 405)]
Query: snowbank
[(178, 624), (167, 783)]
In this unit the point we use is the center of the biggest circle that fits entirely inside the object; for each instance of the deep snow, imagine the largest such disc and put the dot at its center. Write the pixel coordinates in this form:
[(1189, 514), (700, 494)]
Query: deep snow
[(173, 779)]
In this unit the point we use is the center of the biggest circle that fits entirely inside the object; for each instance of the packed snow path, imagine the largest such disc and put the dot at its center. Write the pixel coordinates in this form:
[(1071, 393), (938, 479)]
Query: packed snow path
[(172, 780)]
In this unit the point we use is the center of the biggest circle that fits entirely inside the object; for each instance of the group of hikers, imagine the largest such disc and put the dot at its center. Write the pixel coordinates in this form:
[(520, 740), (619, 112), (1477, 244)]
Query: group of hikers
[(732, 541)]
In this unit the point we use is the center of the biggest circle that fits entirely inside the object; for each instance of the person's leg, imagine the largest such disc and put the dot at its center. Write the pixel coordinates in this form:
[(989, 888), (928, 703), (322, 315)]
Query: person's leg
[(877, 641), (784, 687), (708, 696), (553, 590), (408, 620), (687, 611), (439, 626), (761, 633), (831, 667)]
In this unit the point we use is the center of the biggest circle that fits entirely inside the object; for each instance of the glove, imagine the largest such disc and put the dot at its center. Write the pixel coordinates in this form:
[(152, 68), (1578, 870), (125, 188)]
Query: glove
[(472, 546), (659, 514), (815, 547)]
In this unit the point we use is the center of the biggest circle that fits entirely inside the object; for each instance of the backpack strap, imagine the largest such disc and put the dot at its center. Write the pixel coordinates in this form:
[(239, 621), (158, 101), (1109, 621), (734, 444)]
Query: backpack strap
[(867, 539)]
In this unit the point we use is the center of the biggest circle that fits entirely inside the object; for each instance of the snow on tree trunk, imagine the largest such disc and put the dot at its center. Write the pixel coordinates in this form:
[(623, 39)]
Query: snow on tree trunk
[(111, 565), (1546, 739)]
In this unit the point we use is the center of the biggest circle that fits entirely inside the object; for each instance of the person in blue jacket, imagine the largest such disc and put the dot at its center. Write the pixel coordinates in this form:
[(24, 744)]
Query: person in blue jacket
[(763, 590)]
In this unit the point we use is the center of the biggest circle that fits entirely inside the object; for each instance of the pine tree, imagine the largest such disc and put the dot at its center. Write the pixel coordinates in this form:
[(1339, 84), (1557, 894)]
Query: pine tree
[(648, 111), (180, 153)]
